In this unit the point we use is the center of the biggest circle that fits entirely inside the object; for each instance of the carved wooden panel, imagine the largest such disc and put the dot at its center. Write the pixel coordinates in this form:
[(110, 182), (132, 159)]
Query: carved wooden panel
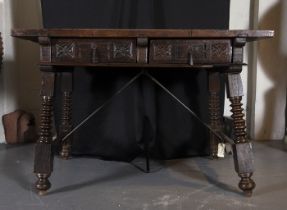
[(94, 51), (181, 51)]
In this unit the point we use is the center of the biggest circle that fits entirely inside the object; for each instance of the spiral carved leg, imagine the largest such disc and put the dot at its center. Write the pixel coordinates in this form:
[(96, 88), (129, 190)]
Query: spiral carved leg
[(43, 149), (242, 149), (215, 116), (66, 125), (215, 122), (43, 163), (66, 119), (238, 120)]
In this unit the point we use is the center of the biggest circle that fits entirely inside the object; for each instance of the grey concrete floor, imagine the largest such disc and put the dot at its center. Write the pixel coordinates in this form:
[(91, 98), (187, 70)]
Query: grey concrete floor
[(195, 183)]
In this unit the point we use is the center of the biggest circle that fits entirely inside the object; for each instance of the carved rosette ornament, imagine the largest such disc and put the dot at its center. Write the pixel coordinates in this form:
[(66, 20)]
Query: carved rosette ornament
[(162, 51), (65, 49), (122, 49)]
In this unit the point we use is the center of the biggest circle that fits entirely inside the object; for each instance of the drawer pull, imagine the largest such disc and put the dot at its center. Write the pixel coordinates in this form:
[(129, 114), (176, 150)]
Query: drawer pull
[(94, 54)]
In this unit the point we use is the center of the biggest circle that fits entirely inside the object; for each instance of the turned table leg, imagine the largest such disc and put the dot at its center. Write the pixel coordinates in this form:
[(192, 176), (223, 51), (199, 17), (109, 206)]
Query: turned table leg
[(215, 115), (43, 165), (242, 149), (66, 118)]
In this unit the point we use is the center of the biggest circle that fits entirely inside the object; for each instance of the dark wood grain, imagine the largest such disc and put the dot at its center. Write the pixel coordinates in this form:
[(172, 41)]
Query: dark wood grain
[(244, 158), (218, 51), (43, 164), (226, 67), (179, 51), (66, 118), (142, 50), (244, 166), (215, 116), (33, 34), (94, 51), (243, 155)]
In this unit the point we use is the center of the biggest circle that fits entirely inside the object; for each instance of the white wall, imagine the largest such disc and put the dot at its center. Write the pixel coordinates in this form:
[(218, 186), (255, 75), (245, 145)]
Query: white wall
[(239, 19), (28, 56), (19, 81), (244, 15), (9, 73), (271, 74), (1, 76), (267, 75)]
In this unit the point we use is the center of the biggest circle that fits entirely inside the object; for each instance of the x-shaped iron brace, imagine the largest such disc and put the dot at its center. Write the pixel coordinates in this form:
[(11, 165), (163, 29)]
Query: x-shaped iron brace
[(218, 134)]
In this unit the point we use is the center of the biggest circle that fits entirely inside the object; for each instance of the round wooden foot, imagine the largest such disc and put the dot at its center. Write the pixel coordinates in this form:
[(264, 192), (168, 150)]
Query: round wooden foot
[(246, 184), (66, 152), (43, 184), (42, 193)]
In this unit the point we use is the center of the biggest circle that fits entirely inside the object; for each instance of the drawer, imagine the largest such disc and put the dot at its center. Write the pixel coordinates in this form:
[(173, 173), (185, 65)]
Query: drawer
[(94, 51), (171, 51)]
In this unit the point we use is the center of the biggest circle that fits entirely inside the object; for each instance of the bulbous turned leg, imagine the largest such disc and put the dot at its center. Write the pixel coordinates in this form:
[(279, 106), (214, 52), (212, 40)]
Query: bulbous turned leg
[(246, 184), (43, 163), (43, 184), (242, 148)]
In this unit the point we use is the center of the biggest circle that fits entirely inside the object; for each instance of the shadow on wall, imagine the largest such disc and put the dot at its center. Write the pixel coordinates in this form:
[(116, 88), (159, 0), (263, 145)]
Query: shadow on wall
[(20, 58), (274, 65), (9, 96)]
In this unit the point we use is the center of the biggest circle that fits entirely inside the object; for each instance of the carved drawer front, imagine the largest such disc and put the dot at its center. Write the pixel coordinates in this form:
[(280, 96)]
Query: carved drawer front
[(94, 51), (183, 51)]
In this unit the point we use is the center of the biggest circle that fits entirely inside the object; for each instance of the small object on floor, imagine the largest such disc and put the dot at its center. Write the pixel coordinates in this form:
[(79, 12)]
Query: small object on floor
[(19, 127), (221, 150)]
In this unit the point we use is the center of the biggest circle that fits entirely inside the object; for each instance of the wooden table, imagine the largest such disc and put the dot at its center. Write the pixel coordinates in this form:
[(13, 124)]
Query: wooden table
[(217, 51)]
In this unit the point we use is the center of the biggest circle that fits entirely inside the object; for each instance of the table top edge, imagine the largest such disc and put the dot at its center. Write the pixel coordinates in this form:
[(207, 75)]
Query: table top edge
[(136, 33)]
